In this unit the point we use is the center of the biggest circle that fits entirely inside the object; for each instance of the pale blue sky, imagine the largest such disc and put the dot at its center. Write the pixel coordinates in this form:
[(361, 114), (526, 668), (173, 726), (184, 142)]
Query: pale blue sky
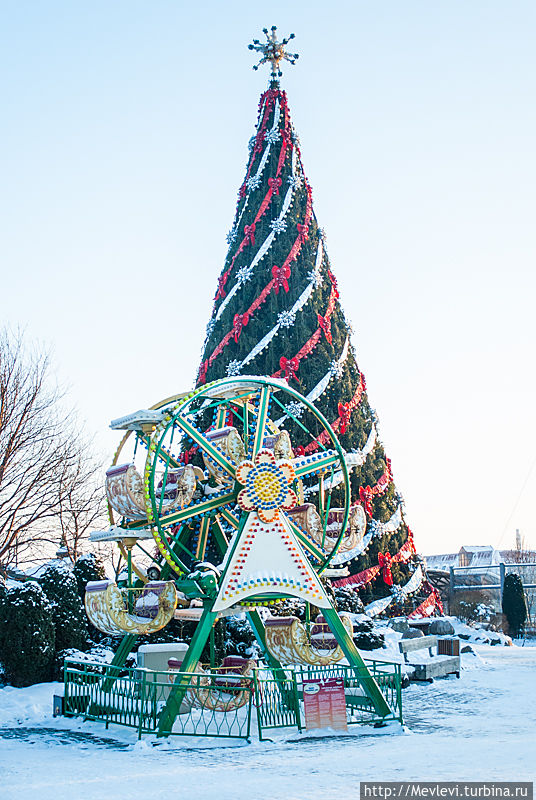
[(124, 140)]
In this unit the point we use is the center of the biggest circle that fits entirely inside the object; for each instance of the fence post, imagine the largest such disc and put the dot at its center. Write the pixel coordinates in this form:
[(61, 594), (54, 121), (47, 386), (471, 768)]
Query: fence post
[(502, 573), (451, 587)]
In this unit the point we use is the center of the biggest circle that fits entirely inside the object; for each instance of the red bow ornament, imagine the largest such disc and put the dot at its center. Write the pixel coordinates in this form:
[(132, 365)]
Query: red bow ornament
[(344, 415), (274, 184), (280, 276), (365, 495), (325, 324), (202, 374), (299, 451), (289, 367), (383, 483), (303, 232), (222, 280), (239, 322), (333, 280), (249, 231), (384, 561)]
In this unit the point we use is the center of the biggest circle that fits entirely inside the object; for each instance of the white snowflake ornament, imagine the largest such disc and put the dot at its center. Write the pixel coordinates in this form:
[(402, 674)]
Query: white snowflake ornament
[(210, 327), (336, 368), (295, 408), (233, 368), (271, 137), (278, 225), (295, 182), (243, 275), (286, 319), (315, 277), (253, 183)]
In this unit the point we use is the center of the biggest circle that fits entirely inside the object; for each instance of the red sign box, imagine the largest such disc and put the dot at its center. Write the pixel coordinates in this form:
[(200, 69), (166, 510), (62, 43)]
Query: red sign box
[(324, 704)]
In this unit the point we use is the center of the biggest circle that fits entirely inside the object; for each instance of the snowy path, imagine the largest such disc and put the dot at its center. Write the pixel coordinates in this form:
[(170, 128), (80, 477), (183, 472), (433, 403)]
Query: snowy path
[(479, 727)]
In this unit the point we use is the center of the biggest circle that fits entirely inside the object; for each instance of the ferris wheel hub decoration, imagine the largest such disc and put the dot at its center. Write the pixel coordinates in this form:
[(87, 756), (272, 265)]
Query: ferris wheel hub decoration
[(267, 483)]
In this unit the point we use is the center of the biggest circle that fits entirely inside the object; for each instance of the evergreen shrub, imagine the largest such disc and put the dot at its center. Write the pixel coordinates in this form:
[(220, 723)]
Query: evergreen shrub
[(88, 567), (27, 635), (59, 584), (365, 637), (348, 599), (514, 604)]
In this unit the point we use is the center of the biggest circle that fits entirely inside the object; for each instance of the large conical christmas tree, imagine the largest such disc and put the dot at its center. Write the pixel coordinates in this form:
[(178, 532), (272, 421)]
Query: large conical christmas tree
[(277, 313)]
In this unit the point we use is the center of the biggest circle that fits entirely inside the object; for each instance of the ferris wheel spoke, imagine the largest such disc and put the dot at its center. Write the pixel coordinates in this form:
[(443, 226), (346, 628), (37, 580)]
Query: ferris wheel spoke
[(194, 510), (312, 548), (221, 417), (229, 517), (206, 446), (169, 459), (134, 524), (260, 423), (319, 462), (220, 538), (201, 547)]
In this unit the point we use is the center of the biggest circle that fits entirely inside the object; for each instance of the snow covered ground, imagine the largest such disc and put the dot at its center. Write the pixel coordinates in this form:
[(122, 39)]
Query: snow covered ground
[(481, 727)]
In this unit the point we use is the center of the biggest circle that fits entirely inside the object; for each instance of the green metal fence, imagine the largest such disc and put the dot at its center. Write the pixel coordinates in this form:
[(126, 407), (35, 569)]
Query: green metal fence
[(279, 694), (276, 700), (213, 705), (359, 708), (219, 704)]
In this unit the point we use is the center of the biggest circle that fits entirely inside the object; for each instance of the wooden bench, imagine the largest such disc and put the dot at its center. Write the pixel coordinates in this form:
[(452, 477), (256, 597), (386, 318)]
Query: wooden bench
[(438, 668)]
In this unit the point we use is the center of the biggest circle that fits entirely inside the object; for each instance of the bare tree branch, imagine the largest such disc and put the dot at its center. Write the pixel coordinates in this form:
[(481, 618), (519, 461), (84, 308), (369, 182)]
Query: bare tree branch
[(48, 478)]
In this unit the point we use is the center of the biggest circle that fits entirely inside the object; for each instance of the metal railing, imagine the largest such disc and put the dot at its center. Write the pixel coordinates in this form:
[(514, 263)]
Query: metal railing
[(279, 693), (213, 705), (276, 700), (481, 573)]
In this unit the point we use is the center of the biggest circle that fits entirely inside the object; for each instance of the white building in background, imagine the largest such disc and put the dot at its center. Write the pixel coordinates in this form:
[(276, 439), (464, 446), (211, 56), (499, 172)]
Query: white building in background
[(468, 556), (478, 557)]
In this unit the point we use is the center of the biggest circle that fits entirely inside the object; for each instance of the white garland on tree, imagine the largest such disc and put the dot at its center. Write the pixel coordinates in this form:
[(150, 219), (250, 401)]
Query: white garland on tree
[(414, 583), (254, 180), (285, 319), (322, 384), (263, 249), (348, 555), (392, 524), (286, 323)]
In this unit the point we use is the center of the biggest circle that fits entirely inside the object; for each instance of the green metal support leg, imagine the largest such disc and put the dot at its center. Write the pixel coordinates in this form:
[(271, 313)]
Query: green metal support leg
[(289, 698), (354, 659), (176, 696), (121, 655), (255, 621)]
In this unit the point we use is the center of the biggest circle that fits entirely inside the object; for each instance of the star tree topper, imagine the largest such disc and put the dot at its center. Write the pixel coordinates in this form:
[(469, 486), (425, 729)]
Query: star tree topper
[(273, 51)]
